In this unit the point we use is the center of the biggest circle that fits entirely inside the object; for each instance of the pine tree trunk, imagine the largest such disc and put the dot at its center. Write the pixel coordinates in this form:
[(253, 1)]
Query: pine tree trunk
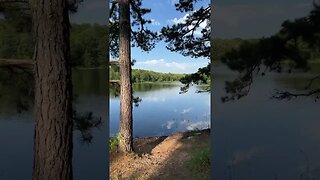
[(53, 91), (125, 144)]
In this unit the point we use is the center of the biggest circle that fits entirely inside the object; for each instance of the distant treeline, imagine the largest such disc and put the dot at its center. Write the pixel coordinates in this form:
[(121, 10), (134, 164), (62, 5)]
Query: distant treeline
[(16, 40), (140, 75), (87, 42), (220, 47), (88, 45)]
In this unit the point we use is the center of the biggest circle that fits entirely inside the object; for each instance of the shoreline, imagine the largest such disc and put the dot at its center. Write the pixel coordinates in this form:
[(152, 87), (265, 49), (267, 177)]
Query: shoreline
[(206, 130), (181, 155)]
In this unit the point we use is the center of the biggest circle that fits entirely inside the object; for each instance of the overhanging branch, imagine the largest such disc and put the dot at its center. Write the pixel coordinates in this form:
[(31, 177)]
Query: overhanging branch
[(288, 95)]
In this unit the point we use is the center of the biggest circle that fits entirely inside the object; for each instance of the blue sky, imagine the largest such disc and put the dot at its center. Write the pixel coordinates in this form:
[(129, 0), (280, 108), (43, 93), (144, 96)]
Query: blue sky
[(232, 18), (255, 18), (158, 59)]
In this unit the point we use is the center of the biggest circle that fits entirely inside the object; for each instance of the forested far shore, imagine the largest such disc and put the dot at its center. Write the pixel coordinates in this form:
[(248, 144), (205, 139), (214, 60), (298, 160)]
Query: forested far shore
[(220, 47), (141, 75), (87, 43)]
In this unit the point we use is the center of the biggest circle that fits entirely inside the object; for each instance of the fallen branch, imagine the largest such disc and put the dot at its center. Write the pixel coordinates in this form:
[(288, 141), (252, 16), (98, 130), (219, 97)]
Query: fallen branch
[(15, 62)]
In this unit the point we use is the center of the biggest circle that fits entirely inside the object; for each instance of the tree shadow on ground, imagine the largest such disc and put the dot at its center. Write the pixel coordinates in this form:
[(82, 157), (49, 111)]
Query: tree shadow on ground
[(178, 164), (145, 145), (165, 157)]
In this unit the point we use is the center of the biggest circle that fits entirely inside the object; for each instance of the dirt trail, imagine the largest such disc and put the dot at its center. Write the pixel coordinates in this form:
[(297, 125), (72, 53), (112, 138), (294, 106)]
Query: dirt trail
[(161, 158)]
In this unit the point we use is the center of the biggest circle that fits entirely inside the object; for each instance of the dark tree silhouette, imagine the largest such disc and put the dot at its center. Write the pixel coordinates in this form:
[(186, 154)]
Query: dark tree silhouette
[(190, 39), (296, 42), (183, 37), (142, 37)]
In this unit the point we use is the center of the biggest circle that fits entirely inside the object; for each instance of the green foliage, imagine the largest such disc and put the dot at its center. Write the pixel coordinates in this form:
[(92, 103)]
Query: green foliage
[(200, 160), (142, 37), (15, 34), (16, 41), (114, 73), (292, 48), (184, 37), (140, 75), (219, 47), (202, 76), (113, 143), (88, 45)]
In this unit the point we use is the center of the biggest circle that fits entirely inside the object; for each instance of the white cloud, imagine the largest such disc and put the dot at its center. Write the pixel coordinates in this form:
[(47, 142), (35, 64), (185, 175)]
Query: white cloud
[(162, 62), (184, 111), (152, 62), (178, 20), (155, 22), (162, 65), (195, 125), (198, 30), (202, 25), (176, 65), (170, 124)]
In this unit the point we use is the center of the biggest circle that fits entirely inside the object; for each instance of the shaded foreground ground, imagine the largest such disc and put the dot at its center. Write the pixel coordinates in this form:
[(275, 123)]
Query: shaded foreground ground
[(178, 156)]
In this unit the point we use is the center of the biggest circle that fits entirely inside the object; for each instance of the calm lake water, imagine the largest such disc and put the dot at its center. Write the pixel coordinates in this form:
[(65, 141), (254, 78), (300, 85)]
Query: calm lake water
[(16, 131), (254, 138), (261, 138), (163, 110)]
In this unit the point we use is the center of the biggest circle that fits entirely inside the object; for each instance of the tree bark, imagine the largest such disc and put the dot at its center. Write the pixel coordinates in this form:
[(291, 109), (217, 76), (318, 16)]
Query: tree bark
[(125, 144), (53, 91)]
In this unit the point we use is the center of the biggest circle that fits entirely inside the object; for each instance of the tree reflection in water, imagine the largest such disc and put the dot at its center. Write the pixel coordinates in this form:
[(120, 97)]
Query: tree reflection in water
[(17, 92)]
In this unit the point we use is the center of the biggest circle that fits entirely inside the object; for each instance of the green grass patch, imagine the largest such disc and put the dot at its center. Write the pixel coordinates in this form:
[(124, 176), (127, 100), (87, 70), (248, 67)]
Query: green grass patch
[(113, 143), (193, 132), (200, 160)]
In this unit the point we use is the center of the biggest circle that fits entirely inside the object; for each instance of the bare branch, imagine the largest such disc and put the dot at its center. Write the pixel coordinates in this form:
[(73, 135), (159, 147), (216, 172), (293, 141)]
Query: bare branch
[(288, 95), (15, 62), (14, 1), (311, 81)]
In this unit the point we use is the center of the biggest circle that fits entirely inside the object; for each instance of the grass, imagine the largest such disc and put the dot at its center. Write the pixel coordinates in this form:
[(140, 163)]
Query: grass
[(200, 160), (113, 143), (194, 132)]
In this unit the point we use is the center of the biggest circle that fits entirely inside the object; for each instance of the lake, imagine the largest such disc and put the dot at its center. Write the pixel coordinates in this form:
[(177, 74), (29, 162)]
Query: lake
[(163, 110), (17, 130), (254, 138), (261, 138)]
